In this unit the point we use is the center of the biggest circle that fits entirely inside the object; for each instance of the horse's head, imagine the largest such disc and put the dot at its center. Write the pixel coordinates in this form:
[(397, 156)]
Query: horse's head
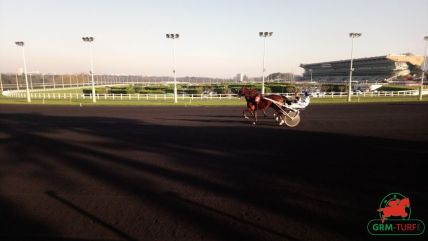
[(405, 202), (243, 91)]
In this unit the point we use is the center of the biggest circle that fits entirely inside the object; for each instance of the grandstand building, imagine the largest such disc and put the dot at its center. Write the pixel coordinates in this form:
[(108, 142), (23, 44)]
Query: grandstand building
[(373, 69)]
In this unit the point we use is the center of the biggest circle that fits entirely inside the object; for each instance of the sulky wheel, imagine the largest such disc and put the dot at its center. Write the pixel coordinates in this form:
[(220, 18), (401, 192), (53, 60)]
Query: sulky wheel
[(292, 119)]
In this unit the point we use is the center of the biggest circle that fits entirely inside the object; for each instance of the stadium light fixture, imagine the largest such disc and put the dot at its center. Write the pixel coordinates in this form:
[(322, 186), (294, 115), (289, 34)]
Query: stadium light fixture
[(424, 69), (351, 69), (87, 39), (21, 44), (264, 35), (173, 36), (90, 40)]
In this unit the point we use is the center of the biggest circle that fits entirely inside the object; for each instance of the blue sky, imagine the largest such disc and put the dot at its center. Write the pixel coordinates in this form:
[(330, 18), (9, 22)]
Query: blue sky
[(218, 38)]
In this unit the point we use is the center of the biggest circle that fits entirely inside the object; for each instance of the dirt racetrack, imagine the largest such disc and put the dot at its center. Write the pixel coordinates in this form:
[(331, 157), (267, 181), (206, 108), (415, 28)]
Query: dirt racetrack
[(203, 173)]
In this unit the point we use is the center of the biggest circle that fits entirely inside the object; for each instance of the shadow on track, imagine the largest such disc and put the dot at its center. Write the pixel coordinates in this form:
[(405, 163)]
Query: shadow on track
[(234, 183)]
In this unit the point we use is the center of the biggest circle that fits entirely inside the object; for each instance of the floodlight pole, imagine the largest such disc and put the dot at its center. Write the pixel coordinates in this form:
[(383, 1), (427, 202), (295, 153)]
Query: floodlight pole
[(17, 82), (424, 69), (264, 35), (351, 69), (21, 44), (43, 80), (310, 70), (1, 84), (173, 36), (264, 67), (90, 40), (31, 81), (94, 99), (175, 74)]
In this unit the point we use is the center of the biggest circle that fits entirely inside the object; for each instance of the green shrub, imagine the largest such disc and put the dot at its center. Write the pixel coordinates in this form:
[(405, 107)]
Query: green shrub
[(196, 90), (333, 88), (292, 89), (118, 90), (98, 90), (156, 87), (151, 92), (130, 89), (282, 88), (235, 90), (221, 89), (393, 88)]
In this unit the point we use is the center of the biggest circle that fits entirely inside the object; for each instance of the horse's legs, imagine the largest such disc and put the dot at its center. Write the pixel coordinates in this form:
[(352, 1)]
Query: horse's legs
[(249, 110), (244, 114), (264, 110), (255, 117)]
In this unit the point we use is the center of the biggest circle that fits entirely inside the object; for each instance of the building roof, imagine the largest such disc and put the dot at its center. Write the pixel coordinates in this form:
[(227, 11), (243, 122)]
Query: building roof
[(410, 58)]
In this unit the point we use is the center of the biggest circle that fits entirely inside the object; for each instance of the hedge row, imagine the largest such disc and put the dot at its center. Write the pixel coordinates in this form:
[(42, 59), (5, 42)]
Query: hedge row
[(200, 89)]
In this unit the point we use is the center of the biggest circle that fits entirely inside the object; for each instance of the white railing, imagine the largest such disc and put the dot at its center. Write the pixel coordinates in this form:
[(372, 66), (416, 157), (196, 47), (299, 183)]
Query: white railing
[(59, 87), (367, 94), (66, 96), (69, 96)]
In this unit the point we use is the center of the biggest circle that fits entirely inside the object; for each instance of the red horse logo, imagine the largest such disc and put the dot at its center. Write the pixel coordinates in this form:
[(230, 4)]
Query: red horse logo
[(396, 208)]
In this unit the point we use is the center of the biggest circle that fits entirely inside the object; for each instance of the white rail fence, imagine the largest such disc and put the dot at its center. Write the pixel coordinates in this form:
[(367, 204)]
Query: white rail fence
[(77, 96)]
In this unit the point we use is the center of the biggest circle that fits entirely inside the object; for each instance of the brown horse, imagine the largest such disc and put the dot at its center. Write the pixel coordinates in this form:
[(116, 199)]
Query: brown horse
[(255, 101)]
